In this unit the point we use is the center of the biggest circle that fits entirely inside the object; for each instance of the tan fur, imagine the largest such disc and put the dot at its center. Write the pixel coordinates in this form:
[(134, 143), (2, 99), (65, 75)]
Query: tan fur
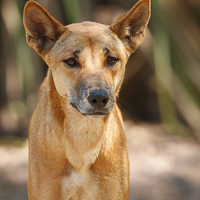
[(73, 155)]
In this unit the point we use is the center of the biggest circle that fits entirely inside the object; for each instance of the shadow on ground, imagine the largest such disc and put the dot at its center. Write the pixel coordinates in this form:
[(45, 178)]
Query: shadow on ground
[(13, 172), (163, 167)]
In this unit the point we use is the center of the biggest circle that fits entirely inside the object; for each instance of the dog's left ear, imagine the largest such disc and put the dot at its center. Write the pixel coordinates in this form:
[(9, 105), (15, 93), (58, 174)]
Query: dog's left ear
[(130, 27)]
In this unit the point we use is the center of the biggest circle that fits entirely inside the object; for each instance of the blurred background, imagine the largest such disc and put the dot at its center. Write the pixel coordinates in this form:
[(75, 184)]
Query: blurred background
[(160, 97)]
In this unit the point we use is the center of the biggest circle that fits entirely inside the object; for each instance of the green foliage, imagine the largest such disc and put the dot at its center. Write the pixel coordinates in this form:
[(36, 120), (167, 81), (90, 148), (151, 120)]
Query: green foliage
[(178, 91)]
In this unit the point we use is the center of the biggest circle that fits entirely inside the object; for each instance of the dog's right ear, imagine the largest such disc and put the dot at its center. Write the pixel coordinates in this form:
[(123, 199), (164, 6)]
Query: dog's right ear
[(42, 30)]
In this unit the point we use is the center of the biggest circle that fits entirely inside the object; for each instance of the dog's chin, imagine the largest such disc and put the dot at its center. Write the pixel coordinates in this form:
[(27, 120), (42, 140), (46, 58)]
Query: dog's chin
[(94, 114)]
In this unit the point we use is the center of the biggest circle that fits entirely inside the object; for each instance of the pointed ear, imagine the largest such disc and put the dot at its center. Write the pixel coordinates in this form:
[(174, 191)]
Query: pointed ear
[(42, 30), (130, 27)]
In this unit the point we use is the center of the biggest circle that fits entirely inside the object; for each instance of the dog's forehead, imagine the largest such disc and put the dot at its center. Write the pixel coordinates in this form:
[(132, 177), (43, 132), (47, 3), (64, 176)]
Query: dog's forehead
[(84, 35), (87, 27)]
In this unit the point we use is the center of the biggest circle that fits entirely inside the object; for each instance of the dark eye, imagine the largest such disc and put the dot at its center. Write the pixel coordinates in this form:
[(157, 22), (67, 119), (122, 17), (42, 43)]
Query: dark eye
[(72, 62), (111, 61)]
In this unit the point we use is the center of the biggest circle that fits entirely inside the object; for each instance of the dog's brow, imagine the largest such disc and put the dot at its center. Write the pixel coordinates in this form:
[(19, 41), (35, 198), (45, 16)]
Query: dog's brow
[(106, 50), (76, 53)]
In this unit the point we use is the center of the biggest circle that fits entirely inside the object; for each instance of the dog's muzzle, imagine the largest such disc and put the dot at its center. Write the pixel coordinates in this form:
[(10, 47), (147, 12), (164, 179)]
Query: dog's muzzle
[(94, 101)]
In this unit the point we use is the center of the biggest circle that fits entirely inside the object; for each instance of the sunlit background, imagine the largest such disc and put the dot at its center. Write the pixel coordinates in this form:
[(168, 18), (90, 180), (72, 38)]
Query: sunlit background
[(160, 97)]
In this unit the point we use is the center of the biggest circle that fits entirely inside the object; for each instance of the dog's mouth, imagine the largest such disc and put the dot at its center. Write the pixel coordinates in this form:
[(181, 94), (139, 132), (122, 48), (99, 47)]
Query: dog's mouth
[(96, 114), (91, 113)]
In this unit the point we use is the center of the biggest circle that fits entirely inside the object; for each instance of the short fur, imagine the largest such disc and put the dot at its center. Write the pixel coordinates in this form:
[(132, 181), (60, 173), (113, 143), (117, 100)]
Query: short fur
[(77, 145)]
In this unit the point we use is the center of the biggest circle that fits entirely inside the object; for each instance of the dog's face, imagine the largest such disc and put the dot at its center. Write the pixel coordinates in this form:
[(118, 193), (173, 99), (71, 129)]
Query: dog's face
[(88, 65), (87, 60)]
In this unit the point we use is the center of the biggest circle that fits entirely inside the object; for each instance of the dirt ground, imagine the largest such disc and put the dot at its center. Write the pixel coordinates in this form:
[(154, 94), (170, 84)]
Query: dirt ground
[(162, 167)]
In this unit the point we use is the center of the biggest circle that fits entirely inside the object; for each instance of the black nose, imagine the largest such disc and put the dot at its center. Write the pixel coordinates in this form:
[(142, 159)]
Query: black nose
[(98, 99)]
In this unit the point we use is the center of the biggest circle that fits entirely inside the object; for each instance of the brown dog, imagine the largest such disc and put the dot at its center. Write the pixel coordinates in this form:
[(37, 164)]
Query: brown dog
[(77, 145)]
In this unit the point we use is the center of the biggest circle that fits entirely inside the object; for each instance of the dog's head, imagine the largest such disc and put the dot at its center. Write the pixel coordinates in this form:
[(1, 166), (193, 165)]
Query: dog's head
[(87, 60)]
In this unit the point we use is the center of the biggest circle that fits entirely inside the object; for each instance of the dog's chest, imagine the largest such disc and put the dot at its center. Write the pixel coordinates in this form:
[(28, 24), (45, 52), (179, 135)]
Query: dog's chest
[(81, 161), (82, 147), (83, 144), (78, 186)]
